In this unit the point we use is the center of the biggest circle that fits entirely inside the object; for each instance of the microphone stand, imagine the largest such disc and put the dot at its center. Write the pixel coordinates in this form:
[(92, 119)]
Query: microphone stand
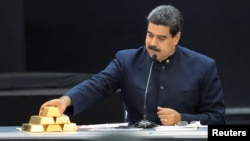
[(146, 123)]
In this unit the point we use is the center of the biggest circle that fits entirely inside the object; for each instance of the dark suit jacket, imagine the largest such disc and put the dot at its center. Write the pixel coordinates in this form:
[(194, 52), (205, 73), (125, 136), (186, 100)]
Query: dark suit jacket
[(188, 82)]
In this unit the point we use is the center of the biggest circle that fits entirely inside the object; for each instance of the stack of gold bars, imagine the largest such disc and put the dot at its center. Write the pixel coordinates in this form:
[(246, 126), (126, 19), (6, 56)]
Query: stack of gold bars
[(50, 121)]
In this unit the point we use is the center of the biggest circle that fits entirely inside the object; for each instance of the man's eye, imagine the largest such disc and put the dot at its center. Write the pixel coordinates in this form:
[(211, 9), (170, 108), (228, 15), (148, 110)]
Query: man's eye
[(150, 35), (162, 38)]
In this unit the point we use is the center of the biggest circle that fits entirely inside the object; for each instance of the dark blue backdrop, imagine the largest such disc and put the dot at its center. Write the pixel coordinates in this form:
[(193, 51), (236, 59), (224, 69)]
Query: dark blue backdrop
[(83, 36)]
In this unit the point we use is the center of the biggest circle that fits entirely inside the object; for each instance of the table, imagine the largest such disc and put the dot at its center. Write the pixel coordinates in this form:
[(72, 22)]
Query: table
[(12, 133)]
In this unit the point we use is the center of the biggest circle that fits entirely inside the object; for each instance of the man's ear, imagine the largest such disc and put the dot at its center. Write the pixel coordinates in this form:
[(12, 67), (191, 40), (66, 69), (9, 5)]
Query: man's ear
[(177, 38)]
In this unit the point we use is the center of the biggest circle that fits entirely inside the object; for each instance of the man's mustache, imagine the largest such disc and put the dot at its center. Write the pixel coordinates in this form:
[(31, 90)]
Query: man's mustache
[(154, 48)]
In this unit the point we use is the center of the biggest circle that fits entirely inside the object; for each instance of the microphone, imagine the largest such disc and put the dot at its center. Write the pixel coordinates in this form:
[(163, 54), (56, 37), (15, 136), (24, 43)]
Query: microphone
[(146, 123)]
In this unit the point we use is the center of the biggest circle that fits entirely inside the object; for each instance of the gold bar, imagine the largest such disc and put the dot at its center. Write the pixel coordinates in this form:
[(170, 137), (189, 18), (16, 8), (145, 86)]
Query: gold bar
[(41, 120), (51, 112), (32, 127), (53, 128), (70, 127), (62, 119)]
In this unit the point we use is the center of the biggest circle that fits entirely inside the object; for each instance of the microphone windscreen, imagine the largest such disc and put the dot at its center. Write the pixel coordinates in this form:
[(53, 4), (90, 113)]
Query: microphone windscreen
[(154, 57)]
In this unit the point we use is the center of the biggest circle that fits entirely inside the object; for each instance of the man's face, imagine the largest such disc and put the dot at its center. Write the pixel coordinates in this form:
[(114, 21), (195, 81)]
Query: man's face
[(160, 42)]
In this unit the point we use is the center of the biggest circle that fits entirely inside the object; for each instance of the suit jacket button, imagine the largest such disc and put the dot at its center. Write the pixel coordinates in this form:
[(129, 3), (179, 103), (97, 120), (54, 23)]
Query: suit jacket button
[(161, 87)]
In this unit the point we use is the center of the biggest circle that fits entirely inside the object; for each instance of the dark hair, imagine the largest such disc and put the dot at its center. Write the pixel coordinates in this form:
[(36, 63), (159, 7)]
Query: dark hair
[(167, 15)]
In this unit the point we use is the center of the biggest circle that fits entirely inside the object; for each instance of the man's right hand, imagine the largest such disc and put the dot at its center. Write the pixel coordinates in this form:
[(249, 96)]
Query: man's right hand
[(61, 103)]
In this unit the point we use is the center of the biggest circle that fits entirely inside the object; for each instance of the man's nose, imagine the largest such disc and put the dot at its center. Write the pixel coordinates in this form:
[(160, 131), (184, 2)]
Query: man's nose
[(154, 42)]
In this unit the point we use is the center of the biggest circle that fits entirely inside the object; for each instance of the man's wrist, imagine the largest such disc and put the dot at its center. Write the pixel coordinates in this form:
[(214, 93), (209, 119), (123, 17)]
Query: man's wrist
[(66, 100)]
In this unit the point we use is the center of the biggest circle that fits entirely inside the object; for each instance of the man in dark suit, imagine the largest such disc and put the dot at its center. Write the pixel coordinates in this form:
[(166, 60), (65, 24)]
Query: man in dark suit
[(175, 83)]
